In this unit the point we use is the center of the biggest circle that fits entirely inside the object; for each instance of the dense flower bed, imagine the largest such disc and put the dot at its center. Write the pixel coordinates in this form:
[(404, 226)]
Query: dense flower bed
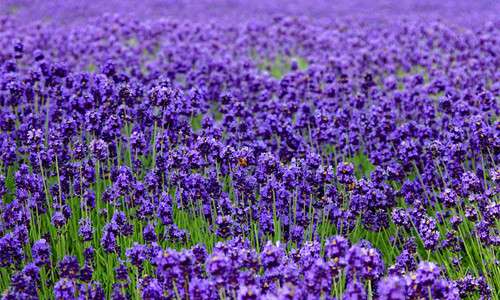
[(280, 157)]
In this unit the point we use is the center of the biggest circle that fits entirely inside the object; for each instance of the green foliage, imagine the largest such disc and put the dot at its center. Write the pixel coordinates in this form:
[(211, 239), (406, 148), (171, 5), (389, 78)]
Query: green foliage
[(282, 65)]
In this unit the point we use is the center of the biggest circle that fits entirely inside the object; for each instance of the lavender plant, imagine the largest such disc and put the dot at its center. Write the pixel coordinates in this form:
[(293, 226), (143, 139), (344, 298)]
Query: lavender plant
[(303, 151)]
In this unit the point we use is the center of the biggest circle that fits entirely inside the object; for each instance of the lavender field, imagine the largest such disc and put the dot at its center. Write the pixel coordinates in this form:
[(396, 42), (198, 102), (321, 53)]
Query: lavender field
[(234, 149)]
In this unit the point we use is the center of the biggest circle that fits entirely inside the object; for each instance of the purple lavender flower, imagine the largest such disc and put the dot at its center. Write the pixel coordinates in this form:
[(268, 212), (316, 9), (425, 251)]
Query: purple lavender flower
[(354, 291), (149, 233), (393, 288), (88, 254), (364, 263), (150, 289), (108, 240), (224, 226), (41, 252), (248, 293), (137, 254), (99, 149), (64, 289), (345, 174), (68, 267), (121, 272), (85, 274), (218, 266), (427, 273), (58, 219), (202, 289), (85, 230), (272, 256), (429, 233)]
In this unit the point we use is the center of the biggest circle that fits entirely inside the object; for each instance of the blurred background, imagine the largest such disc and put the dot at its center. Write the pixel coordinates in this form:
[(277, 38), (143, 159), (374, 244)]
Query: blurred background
[(67, 12)]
